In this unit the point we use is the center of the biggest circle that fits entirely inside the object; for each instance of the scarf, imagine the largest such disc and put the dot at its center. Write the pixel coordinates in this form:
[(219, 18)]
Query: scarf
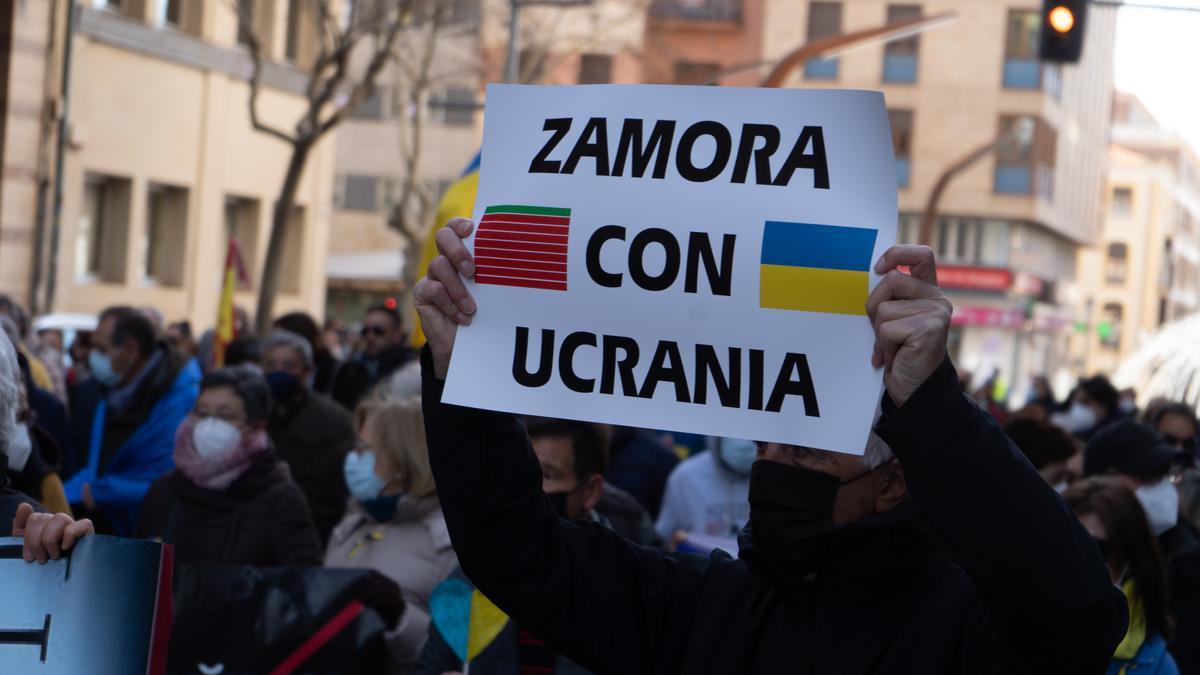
[(220, 471)]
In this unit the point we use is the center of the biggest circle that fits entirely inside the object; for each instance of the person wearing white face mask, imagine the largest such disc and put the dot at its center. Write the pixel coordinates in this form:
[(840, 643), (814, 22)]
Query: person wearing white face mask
[(230, 499), (393, 522), (707, 493), (1136, 456)]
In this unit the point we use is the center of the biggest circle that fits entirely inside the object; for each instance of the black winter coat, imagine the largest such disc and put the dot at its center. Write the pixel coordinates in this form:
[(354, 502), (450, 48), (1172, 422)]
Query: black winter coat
[(10, 499), (260, 520), (313, 436), (986, 571), (1180, 547)]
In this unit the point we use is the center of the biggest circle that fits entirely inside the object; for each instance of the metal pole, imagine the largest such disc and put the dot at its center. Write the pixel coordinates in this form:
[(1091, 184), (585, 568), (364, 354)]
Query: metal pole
[(60, 161), (512, 62)]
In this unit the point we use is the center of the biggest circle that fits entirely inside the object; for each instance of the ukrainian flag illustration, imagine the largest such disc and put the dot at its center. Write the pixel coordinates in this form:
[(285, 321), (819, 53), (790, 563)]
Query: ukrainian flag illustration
[(815, 268)]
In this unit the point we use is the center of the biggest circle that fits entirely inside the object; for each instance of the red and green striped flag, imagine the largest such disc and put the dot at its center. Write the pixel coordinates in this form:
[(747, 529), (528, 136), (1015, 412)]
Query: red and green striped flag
[(523, 246)]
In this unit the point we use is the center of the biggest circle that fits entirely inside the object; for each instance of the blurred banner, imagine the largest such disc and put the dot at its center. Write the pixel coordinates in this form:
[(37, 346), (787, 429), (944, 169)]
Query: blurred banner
[(103, 609), (234, 619)]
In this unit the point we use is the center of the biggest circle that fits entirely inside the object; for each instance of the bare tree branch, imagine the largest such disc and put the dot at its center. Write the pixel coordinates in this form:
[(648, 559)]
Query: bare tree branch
[(246, 26), (365, 87)]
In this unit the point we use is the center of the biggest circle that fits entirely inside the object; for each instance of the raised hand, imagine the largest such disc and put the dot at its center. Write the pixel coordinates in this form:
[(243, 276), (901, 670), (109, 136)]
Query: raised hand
[(441, 298), (911, 317)]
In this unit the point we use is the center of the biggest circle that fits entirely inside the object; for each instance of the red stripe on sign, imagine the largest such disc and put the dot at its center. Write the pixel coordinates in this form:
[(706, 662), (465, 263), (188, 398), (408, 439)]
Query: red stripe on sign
[(320, 638), (547, 275), (522, 283), (549, 249), (489, 263), (525, 227), (489, 235), (514, 254), (526, 218)]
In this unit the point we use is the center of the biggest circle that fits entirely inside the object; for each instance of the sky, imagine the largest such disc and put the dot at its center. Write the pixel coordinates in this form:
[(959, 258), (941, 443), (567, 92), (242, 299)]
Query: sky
[(1158, 59)]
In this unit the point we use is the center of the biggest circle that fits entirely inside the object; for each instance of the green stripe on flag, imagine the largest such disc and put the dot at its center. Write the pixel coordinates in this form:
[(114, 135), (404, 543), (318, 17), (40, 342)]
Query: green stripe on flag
[(528, 210)]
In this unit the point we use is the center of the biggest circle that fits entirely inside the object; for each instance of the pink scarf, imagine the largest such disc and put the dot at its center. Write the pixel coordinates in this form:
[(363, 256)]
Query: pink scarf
[(219, 472)]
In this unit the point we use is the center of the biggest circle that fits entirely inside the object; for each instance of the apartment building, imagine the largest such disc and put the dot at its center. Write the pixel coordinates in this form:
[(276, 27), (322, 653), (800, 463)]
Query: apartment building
[(1009, 228), (160, 162), (1144, 271)]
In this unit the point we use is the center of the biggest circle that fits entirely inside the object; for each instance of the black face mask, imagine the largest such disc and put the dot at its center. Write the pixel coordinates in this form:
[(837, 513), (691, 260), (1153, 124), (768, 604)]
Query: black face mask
[(791, 509), (559, 501)]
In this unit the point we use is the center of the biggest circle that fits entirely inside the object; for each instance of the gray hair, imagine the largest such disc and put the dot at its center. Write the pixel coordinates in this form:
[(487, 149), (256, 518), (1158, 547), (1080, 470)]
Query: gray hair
[(877, 453), (286, 338), (10, 391)]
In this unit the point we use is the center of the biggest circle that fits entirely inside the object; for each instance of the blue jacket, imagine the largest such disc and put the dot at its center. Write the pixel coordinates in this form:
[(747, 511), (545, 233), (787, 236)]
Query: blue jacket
[(120, 486), (1151, 659)]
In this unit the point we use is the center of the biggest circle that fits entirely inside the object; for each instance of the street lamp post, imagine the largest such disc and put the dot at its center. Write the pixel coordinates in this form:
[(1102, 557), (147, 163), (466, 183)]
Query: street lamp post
[(512, 60)]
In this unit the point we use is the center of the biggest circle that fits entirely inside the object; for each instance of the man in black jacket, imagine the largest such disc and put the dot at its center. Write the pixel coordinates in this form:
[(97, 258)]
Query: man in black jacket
[(957, 559)]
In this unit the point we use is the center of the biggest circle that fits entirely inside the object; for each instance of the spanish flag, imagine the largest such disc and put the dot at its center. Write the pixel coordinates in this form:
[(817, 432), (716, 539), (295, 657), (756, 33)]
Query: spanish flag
[(815, 268), (235, 272), (457, 202)]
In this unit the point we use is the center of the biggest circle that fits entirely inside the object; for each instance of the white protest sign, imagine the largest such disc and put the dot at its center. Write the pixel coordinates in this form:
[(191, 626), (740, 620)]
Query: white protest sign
[(681, 258)]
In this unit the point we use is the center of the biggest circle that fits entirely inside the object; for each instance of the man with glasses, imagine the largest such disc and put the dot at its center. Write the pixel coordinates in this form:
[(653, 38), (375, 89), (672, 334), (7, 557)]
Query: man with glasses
[(384, 351), (1176, 422), (1138, 456)]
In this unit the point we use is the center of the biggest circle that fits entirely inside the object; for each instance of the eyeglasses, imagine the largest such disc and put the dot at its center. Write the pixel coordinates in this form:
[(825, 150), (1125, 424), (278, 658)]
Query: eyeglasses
[(378, 331), (1185, 444)]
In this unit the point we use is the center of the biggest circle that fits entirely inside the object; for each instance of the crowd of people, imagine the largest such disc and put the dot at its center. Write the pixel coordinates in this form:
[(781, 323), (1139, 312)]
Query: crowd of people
[(966, 538)]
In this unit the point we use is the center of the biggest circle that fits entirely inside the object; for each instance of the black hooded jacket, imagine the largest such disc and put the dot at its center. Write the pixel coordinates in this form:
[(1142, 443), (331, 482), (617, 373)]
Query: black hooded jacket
[(985, 571)]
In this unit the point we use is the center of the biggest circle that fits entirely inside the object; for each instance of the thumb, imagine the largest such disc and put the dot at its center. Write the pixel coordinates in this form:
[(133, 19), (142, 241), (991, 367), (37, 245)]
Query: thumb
[(23, 512)]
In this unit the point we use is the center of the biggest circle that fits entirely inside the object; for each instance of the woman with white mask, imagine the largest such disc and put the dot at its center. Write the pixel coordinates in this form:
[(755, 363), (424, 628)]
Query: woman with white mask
[(230, 499), (1135, 456)]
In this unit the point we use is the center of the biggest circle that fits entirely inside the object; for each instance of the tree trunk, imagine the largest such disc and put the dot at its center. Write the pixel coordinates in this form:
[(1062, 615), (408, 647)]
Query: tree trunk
[(280, 215)]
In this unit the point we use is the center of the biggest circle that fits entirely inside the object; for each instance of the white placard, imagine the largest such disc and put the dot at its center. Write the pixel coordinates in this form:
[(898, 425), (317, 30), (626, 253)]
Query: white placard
[(697, 257)]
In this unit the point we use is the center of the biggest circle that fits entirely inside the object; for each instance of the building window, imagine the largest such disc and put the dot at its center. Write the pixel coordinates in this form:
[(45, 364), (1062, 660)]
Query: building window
[(455, 106), (241, 225), (824, 20), (902, 121), (692, 72), (1122, 201), (1109, 329), (900, 56), (372, 108), (698, 10), (100, 240), (260, 16), (358, 193), (1021, 65), (595, 68), (466, 12), (1025, 164), (164, 240), (1116, 266), (1052, 77), (909, 229)]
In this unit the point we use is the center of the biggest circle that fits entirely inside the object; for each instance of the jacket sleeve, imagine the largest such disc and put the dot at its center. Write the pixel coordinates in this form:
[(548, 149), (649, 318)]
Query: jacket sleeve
[(605, 603), (1047, 591), (294, 540), (436, 656)]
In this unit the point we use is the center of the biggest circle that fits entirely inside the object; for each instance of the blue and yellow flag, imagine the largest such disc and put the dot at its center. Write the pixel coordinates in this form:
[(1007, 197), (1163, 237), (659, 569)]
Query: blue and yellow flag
[(458, 201), (815, 268)]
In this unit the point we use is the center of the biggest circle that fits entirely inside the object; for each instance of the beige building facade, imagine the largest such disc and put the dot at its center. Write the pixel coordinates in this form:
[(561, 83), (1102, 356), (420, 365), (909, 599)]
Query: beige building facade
[(1009, 227), (596, 43), (161, 164), (1144, 271)]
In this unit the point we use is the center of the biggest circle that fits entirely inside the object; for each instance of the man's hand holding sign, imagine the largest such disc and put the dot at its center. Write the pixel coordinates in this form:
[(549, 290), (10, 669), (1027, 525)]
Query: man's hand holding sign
[(756, 308)]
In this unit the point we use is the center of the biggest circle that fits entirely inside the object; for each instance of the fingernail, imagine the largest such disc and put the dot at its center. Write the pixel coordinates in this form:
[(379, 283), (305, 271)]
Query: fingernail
[(468, 269), (468, 306), (466, 319)]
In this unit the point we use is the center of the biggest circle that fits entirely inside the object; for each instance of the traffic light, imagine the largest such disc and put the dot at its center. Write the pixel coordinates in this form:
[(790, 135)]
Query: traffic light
[(1062, 30)]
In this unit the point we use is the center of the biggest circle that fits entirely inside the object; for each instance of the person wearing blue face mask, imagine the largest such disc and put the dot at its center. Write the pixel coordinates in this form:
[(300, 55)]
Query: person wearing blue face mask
[(125, 419), (707, 493), (311, 432), (393, 522)]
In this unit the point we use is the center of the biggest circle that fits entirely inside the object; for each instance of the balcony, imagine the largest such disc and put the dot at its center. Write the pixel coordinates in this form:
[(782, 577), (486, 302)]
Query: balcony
[(1013, 179), (716, 11)]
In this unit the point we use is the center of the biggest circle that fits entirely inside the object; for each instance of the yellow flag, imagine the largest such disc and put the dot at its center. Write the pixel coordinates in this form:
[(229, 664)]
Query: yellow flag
[(457, 202)]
